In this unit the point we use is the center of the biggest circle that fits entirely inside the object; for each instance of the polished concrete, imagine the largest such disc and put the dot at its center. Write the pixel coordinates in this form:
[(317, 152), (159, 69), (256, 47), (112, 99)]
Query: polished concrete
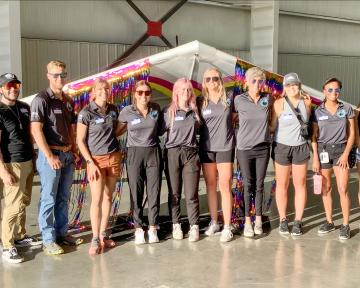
[(268, 261)]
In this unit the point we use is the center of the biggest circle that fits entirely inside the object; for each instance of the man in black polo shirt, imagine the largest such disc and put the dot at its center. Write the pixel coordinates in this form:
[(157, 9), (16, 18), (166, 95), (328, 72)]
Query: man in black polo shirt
[(52, 117), (16, 167)]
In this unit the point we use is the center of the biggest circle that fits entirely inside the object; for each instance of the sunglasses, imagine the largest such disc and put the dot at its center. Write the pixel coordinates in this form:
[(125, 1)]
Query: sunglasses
[(213, 79), (14, 85), (62, 75), (146, 93), (259, 81), (336, 90)]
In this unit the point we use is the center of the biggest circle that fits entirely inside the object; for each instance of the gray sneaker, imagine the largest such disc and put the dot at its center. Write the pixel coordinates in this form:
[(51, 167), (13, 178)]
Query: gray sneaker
[(284, 226), (248, 230), (344, 232), (297, 228), (12, 256), (326, 228), (27, 242), (52, 249)]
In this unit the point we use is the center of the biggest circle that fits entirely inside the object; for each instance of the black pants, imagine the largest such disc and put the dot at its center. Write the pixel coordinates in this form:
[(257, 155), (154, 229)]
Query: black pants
[(144, 166), (182, 165), (253, 165)]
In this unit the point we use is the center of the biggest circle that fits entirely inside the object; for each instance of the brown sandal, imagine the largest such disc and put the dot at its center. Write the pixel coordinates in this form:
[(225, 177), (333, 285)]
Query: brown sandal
[(106, 242)]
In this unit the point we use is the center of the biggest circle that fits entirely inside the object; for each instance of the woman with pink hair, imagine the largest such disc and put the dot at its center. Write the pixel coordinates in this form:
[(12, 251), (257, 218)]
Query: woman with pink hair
[(182, 164)]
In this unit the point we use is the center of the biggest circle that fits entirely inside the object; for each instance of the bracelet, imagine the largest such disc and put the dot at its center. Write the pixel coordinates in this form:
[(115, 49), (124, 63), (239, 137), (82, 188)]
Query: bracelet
[(89, 161)]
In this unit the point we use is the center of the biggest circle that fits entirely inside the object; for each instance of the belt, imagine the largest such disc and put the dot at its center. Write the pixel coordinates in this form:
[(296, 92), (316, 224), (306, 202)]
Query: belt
[(61, 148)]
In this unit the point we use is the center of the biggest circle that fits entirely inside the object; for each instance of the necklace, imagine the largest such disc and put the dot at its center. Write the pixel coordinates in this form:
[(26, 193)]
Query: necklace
[(17, 115)]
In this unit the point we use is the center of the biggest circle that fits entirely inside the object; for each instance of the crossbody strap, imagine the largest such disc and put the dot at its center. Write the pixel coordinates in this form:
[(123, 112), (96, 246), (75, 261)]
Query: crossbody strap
[(297, 114)]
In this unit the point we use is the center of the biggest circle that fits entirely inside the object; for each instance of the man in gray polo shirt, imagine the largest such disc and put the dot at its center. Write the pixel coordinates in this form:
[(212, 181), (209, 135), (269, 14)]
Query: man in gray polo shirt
[(52, 117)]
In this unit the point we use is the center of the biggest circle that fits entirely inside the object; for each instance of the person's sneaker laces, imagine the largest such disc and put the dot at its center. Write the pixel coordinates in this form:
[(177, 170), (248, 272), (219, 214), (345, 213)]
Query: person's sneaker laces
[(177, 233), (226, 235), (326, 228), (194, 233), (344, 232), (27, 242), (12, 256), (52, 249), (297, 228), (248, 230), (258, 230), (139, 236), (153, 237), (284, 226), (212, 228)]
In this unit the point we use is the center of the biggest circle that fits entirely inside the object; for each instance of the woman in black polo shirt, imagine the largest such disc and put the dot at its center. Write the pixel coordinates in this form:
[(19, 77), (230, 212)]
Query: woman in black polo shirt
[(182, 165), (357, 142), (143, 158), (97, 123), (333, 138)]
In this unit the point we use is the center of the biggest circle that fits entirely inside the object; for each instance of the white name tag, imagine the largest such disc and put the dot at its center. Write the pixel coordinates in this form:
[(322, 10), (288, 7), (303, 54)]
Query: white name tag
[(179, 118), (288, 117), (135, 121), (207, 112), (99, 120), (23, 110), (57, 111), (323, 117)]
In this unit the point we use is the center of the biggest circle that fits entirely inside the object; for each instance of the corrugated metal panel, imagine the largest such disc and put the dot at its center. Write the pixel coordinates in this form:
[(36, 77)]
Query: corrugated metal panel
[(315, 69)]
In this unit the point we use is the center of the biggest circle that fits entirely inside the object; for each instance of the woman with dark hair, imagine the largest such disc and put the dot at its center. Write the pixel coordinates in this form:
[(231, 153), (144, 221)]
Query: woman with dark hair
[(332, 140), (144, 163), (182, 165)]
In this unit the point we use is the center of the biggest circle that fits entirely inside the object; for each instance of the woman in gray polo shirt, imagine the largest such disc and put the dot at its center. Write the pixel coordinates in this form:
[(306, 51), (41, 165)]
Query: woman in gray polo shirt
[(332, 140), (182, 165), (217, 148), (253, 143), (97, 123), (291, 151), (144, 163)]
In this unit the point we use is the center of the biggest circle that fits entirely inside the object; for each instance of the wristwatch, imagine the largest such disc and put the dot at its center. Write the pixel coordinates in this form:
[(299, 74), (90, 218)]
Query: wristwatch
[(89, 161)]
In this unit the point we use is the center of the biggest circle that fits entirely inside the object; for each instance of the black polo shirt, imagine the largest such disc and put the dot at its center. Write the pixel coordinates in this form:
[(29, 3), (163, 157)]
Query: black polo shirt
[(56, 115), (15, 140), (101, 138)]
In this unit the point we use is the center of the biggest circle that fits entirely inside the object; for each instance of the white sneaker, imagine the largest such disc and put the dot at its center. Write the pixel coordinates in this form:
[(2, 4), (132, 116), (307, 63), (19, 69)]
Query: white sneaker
[(139, 236), (152, 234), (258, 230), (248, 230), (194, 233), (177, 233), (226, 235), (12, 256), (212, 228)]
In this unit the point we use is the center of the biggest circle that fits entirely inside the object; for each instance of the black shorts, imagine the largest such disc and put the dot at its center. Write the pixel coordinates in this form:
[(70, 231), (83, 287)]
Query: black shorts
[(335, 151), (217, 157), (287, 155)]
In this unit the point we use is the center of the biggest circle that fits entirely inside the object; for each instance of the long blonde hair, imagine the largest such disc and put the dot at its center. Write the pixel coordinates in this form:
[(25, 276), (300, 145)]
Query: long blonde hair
[(205, 91)]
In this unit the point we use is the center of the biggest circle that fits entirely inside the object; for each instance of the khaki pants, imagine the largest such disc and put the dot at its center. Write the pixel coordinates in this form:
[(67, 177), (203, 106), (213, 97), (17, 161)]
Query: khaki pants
[(16, 198)]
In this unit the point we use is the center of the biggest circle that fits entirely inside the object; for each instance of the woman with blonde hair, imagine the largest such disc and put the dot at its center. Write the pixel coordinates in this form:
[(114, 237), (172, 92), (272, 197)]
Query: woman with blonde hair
[(96, 138), (182, 164), (217, 148)]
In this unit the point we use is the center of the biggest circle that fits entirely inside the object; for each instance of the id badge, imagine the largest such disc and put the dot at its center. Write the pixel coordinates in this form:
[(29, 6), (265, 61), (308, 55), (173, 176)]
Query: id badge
[(324, 157)]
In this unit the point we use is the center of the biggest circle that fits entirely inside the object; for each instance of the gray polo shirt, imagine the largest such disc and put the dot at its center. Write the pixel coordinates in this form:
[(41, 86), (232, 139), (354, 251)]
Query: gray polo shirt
[(253, 121), (56, 115), (183, 130), (332, 128), (216, 131), (101, 138), (141, 132)]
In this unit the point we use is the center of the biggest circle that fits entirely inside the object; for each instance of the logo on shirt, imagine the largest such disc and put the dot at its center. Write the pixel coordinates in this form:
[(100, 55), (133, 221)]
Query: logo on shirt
[(35, 116), (69, 107), (154, 114), (341, 113), (264, 102)]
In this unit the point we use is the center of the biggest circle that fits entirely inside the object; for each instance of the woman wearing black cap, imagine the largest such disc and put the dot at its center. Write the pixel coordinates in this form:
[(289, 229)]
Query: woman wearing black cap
[(332, 140)]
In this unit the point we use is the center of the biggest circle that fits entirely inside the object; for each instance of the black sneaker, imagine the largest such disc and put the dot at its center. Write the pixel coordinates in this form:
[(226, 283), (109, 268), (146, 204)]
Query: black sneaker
[(27, 242), (284, 226), (326, 228), (344, 232), (297, 228), (12, 256)]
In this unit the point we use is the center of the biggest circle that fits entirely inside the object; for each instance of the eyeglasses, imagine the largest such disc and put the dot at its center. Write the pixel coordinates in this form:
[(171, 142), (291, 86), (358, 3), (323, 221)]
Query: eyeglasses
[(213, 79), (336, 90), (62, 75), (146, 93), (259, 81), (14, 85)]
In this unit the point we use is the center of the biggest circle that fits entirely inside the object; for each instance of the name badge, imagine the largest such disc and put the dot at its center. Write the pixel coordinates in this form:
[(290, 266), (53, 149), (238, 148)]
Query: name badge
[(323, 118), (23, 110), (99, 120), (288, 117), (57, 111), (207, 112), (135, 121), (179, 118)]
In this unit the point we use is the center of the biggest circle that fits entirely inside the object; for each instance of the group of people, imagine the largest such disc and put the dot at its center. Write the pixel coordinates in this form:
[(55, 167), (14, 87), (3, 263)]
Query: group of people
[(198, 133)]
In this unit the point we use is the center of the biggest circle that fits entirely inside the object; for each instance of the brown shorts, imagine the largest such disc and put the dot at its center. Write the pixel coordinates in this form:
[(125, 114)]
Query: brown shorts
[(109, 164)]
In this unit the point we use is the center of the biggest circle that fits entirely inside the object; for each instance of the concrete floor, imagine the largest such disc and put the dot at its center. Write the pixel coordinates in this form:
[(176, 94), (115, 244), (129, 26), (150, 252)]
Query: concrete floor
[(268, 261)]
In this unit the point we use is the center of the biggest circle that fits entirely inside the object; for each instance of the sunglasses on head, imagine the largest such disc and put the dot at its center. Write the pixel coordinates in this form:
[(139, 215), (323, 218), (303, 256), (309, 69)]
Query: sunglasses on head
[(141, 92), (62, 75), (213, 79), (259, 81), (14, 85), (336, 90)]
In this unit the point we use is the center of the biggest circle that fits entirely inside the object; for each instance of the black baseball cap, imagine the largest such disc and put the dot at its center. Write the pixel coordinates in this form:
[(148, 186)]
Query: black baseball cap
[(8, 77)]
